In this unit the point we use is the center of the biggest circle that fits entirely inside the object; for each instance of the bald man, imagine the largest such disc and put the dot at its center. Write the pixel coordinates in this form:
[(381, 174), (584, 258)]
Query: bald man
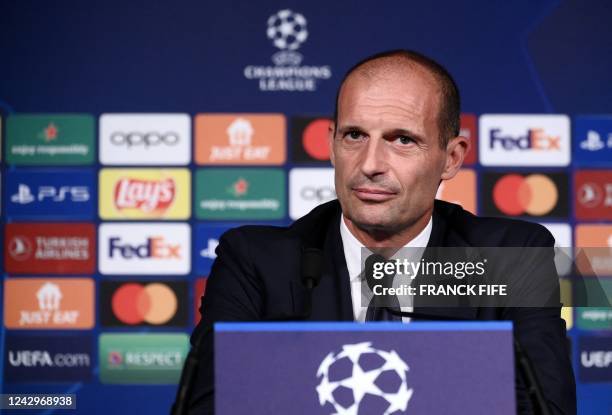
[(394, 138)]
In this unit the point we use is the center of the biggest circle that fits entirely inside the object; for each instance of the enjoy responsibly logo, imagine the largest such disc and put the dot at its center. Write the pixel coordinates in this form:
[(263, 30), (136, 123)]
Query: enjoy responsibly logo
[(287, 31)]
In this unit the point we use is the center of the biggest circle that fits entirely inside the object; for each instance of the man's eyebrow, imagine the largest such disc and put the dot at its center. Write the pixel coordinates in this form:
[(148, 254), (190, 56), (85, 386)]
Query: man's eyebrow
[(390, 133), (402, 131), (345, 128)]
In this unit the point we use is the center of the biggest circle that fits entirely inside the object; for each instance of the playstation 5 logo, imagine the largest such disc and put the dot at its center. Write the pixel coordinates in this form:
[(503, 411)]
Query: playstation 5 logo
[(593, 141), (209, 251), (25, 196)]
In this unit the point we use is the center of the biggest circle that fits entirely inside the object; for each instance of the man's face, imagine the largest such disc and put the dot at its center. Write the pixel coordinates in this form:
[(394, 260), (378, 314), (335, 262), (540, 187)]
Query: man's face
[(385, 150)]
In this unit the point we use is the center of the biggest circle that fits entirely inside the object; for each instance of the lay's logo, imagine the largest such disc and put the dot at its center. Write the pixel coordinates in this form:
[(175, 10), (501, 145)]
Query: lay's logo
[(145, 194)]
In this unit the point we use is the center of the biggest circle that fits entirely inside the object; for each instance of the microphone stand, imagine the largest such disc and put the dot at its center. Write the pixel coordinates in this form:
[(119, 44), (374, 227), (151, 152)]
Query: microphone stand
[(534, 389), (310, 269)]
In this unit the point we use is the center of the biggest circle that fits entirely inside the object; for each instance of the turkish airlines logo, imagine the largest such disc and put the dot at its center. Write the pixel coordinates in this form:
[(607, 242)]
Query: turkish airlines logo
[(55, 303), (135, 303), (153, 249), (536, 194), (146, 195), (137, 139), (593, 194), (541, 140), (50, 248)]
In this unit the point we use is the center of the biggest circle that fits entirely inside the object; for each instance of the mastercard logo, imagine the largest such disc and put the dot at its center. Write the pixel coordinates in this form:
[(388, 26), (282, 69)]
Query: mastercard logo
[(535, 194), (315, 138), (135, 303)]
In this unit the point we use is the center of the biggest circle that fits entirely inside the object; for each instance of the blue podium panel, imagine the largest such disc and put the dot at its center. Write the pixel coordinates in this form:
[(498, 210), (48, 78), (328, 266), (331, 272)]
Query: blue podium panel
[(373, 368)]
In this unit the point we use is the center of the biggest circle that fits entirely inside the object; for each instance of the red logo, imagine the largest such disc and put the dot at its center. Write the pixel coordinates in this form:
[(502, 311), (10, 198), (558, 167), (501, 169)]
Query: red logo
[(470, 131), (593, 195), (315, 139), (200, 289), (50, 248), (144, 195)]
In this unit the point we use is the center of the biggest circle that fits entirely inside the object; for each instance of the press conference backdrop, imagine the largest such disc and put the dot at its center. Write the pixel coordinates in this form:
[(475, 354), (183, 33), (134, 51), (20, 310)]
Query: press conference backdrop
[(135, 133)]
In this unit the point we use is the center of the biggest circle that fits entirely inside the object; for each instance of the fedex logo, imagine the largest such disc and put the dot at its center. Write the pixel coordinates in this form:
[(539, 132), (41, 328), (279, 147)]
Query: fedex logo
[(535, 139), (541, 140), (144, 249), (155, 247)]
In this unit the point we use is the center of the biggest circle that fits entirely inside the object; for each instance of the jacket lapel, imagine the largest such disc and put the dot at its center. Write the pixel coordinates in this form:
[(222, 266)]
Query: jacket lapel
[(442, 235)]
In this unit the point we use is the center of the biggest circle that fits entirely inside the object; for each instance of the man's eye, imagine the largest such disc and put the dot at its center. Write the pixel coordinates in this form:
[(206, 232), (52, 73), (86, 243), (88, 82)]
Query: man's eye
[(353, 135), (403, 139)]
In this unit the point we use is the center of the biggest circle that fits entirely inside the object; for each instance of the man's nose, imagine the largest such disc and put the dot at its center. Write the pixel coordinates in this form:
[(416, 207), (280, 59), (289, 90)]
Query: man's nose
[(373, 159)]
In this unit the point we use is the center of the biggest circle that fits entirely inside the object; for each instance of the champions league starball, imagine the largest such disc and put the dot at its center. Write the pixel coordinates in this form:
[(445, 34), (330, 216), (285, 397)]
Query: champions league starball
[(287, 30), (363, 380)]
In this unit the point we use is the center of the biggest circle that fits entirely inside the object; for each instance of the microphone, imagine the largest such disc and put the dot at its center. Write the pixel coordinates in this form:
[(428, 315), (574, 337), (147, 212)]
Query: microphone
[(310, 275), (311, 272), (534, 388)]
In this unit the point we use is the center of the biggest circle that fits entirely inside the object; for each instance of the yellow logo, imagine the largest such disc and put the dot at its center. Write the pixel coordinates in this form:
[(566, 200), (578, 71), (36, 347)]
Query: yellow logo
[(145, 194)]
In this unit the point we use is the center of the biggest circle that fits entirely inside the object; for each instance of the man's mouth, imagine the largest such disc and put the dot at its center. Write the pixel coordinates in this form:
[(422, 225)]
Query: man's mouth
[(370, 194)]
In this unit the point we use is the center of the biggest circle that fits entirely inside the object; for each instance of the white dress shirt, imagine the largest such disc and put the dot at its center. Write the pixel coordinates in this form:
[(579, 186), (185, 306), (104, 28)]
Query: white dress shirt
[(352, 254)]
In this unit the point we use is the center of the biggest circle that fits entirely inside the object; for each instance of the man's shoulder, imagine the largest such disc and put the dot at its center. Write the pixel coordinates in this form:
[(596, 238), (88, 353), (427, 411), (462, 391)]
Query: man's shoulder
[(490, 231), (310, 228)]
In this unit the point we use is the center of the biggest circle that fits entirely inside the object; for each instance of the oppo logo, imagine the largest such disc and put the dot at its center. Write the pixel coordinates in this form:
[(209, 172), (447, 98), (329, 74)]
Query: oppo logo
[(144, 139), (318, 193)]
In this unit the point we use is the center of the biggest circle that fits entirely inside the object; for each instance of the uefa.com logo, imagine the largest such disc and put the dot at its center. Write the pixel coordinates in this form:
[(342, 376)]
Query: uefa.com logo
[(287, 30)]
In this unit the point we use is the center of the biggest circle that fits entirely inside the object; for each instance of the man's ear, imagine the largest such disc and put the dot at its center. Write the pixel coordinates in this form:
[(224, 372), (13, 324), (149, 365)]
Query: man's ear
[(331, 133), (456, 149)]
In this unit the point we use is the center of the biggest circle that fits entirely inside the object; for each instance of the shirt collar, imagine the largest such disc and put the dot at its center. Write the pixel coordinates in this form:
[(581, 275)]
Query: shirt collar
[(352, 246)]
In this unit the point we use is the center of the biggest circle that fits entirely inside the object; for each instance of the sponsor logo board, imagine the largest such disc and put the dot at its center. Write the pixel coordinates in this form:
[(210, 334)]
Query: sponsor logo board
[(240, 139), (145, 194), (136, 303), (536, 194), (142, 358), (240, 194), (144, 249), (53, 359), (50, 248), (524, 140), (50, 139), (145, 139), (48, 303), (46, 193), (308, 188)]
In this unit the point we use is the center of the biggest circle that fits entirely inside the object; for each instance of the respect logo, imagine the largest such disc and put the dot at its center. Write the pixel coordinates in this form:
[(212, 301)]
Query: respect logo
[(145, 194)]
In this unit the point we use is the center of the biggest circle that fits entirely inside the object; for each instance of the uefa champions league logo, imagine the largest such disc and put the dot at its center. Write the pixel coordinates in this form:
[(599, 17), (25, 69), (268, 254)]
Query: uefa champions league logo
[(287, 31), (359, 370)]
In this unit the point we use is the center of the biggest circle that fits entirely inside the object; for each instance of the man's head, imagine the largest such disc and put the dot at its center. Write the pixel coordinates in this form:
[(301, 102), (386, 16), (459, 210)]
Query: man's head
[(395, 136)]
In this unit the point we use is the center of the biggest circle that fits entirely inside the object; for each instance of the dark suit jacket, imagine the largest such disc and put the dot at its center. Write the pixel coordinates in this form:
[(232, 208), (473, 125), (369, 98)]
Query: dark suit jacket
[(256, 276)]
